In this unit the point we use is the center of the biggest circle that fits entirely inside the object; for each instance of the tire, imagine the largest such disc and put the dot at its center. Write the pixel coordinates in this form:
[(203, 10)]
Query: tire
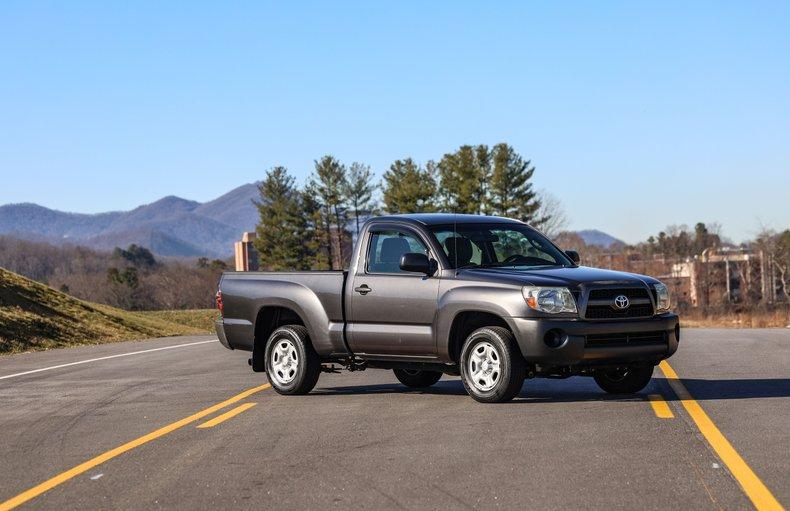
[(629, 380), (493, 351), (417, 378), (292, 365)]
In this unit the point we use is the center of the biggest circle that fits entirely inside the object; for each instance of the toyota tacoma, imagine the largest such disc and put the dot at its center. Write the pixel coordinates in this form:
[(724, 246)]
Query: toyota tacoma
[(490, 299)]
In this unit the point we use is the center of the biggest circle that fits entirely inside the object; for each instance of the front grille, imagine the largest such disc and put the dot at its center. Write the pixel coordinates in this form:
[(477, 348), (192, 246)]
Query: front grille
[(600, 303), (607, 312), (609, 293), (655, 338)]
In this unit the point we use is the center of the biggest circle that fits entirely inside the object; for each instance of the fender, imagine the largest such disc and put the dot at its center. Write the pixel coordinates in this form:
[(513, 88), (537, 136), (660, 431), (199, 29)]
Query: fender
[(503, 301), (308, 307)]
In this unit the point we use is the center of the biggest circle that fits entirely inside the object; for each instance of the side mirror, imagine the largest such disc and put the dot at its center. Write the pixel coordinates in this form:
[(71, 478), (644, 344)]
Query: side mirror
[(415, 262), (573, 255)]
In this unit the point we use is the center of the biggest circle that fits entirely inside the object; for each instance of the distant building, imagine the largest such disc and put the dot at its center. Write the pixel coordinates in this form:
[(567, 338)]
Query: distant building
[(246, 255), (717, 276), (728, 275)]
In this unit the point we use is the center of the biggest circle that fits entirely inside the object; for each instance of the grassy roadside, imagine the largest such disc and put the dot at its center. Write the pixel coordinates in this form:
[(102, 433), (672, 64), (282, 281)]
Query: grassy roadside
[(752, 319), (36, 317), (202, 319)]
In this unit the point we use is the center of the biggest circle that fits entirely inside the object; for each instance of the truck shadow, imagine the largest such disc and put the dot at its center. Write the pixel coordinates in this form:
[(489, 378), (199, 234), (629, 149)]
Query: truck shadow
[(584, 389)]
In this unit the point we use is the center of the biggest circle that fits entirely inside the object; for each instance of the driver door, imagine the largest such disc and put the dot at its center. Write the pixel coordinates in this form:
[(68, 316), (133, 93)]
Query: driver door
[(392, 311)]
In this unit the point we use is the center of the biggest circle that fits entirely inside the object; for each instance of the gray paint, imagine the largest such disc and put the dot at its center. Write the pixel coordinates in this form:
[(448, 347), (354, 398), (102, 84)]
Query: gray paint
[(314, 296)]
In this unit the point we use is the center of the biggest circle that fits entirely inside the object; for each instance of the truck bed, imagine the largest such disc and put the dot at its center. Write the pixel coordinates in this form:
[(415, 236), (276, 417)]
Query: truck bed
[(245, 293)]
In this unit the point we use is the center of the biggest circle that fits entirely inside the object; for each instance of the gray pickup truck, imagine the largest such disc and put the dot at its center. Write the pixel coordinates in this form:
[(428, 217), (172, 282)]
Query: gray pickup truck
[(487, 298)]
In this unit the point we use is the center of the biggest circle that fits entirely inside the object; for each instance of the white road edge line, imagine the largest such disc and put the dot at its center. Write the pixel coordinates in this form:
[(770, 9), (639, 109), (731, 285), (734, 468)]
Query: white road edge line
[(106, 358)]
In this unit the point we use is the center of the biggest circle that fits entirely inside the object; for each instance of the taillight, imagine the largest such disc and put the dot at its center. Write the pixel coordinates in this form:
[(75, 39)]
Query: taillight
[(218, 298)]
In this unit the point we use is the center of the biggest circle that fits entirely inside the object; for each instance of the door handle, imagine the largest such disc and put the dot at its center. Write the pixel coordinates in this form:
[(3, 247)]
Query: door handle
[(363, 289)]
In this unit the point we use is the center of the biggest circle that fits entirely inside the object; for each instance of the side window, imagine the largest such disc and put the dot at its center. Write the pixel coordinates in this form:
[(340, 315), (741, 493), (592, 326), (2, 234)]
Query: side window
[(387, 247)]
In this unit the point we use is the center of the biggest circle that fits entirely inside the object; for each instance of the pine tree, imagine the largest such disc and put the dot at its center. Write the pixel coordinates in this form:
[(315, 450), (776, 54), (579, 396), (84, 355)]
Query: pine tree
[(321, 220), (282, 228), (328, 183), (359, 190), (483, 161), (408, 188), (510, 189), (315, 240), (464, 175)]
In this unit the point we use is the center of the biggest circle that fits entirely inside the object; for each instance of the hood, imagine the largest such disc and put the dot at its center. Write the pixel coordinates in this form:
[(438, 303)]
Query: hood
[(569, 277)]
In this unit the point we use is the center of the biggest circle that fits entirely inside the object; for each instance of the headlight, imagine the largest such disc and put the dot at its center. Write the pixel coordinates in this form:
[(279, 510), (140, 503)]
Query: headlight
[(662, 297), (549, 299)]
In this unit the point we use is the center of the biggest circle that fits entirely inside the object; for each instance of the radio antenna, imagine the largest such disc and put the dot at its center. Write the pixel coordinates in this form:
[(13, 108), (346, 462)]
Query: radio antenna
[(455, 240)]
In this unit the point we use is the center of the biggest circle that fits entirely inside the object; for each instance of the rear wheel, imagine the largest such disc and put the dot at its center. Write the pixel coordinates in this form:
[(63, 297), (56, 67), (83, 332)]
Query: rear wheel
[(417, 377), (626, 380), (492, 368), (292, 365)]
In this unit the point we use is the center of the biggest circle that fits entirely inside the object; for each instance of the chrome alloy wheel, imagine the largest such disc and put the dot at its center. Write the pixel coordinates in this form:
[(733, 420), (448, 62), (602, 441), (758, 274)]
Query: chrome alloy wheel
[(483, 366), (284, 361)]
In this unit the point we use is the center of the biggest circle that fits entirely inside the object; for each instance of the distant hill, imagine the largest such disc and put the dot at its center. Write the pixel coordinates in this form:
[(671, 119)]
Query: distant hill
[(171, 226), (34, 316), (235, 208), (599, 238)]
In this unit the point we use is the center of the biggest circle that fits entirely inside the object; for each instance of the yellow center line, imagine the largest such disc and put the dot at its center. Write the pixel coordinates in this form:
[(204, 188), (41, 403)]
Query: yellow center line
[(225, 416), (752, 486), (660, 407), (112, 453)]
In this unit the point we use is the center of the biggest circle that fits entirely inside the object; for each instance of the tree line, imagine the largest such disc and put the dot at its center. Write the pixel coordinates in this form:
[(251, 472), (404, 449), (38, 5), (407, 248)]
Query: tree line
[(307, 228), (131, 278), (134, 278)]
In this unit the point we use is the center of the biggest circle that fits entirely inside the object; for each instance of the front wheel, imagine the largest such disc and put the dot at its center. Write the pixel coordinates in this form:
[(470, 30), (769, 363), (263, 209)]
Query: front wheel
[(627, 380), (492, 368), (417, 378), (292, 365)]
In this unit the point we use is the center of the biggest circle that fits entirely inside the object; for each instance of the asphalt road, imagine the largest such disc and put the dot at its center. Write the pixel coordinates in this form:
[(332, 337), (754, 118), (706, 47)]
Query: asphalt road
[(362, 441)]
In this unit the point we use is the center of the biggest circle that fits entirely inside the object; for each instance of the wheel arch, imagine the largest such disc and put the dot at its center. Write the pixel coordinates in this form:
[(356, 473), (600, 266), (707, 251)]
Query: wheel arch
[(267, 320), (463, 307), (464, 323)]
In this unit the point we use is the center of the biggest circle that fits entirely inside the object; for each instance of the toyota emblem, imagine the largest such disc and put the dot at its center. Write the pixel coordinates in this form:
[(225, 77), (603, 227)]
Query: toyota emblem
[(621, 302)]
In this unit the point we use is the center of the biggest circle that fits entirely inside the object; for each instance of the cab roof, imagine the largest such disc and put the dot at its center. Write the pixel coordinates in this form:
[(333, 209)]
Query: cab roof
[(446, 218)]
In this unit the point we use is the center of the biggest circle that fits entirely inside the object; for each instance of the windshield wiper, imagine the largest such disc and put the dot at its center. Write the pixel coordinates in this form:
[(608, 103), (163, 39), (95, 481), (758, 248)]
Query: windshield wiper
[(474, 266), (514, 265)]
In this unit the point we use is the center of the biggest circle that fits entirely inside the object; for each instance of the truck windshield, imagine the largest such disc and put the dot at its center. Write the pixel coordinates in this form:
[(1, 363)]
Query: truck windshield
[(497, 245)]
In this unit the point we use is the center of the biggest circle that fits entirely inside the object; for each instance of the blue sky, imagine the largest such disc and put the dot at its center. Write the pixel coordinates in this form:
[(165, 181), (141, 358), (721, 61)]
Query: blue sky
[(636, 116)]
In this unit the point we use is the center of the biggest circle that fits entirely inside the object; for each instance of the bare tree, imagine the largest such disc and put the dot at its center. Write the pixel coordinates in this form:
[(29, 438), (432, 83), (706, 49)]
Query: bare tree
[(553, 213), (776, 249)]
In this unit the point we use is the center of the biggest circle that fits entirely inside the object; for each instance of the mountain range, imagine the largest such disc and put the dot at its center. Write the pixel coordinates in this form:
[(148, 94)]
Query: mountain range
[(599, 238), (171, 226)]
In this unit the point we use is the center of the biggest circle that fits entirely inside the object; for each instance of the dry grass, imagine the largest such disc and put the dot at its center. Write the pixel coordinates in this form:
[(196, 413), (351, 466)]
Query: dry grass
[(36, 317), (745, 319), (202, 319)]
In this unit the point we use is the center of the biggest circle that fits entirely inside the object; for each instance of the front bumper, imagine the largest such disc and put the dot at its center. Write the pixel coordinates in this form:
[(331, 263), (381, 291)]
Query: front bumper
[(577, 349)]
